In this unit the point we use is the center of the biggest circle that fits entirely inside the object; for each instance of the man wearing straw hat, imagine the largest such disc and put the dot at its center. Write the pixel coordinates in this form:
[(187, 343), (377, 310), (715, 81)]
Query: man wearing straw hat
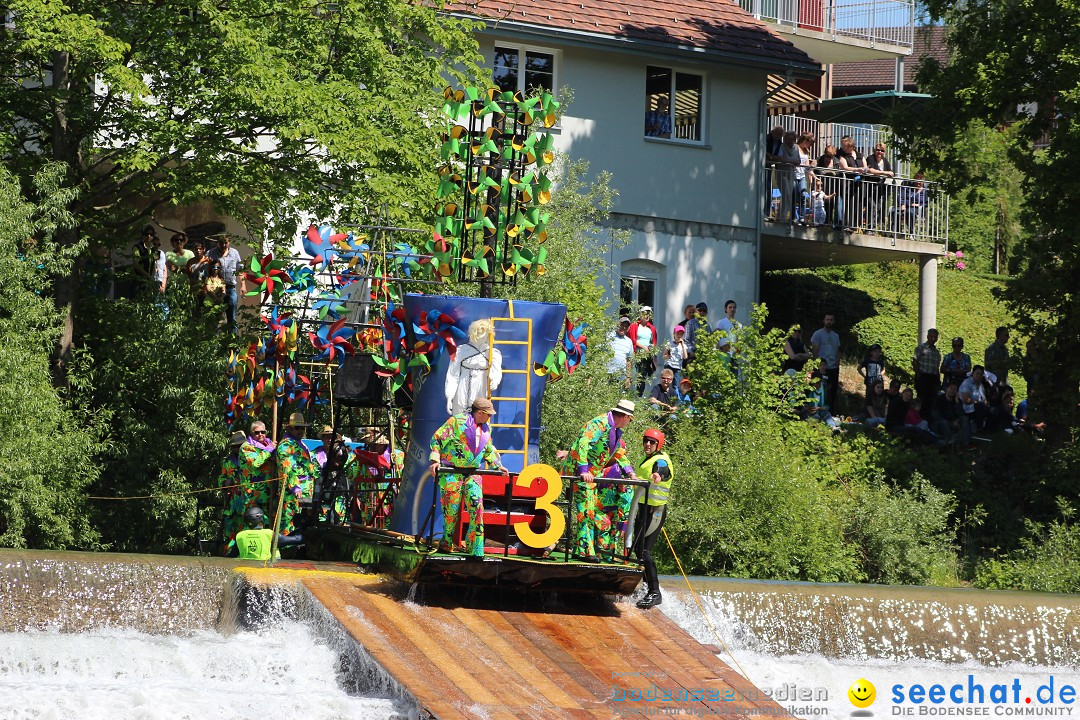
[(464, 441), (601, 453), (298, 469)]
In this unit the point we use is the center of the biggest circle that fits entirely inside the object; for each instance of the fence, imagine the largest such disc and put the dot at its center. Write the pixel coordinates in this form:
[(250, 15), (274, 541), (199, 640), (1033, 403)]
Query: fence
[(899, 207), (880, 21)]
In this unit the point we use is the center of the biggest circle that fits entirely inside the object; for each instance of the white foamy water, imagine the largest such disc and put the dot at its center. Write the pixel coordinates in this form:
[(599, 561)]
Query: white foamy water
[(117, 674), (815, 686)]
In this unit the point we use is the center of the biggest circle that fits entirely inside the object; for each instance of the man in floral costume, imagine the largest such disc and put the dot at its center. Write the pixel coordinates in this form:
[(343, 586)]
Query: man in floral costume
[(262, 489), (464, 441), (245, 466), (599, 452), (298, 469)]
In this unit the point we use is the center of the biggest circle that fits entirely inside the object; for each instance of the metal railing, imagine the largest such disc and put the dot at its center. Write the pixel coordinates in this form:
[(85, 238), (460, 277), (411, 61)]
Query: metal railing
[(879, 21), (865, 136), (898, 207)]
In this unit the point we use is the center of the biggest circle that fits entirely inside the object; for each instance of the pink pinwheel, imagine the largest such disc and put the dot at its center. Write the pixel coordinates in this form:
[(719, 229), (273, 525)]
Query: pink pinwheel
[(575, 343), (333, 341), (268, 276)]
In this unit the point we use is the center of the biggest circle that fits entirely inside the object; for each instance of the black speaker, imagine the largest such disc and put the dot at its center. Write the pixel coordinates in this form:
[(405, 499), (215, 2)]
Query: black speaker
[(357, 384)]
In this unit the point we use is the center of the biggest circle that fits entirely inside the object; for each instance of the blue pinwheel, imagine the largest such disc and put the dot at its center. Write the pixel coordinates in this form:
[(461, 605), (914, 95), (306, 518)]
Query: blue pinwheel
[(333, 342), (303, 279), (574, 341), (329, 303), (320, 243)]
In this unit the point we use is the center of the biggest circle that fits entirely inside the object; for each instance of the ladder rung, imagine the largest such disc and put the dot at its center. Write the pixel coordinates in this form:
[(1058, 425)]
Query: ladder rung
[(519, 399), (508, 425), (516, 372), (511, 342), (511, 452)]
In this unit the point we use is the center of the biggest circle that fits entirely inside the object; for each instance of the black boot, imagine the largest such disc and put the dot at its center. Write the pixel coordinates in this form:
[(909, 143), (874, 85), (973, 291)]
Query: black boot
[(651, 599)]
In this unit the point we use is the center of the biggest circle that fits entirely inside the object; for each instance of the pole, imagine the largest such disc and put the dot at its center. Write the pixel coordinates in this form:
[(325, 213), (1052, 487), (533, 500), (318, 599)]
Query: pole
[(281, 479)]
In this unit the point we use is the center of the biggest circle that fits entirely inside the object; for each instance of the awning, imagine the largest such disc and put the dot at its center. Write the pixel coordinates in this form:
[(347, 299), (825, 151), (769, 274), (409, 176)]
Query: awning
[(869, 108), (791, 100)]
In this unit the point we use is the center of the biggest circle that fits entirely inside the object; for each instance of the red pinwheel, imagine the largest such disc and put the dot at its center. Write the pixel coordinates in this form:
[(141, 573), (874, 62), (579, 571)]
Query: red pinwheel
[(333, 341), (575, 343), (267, 275)]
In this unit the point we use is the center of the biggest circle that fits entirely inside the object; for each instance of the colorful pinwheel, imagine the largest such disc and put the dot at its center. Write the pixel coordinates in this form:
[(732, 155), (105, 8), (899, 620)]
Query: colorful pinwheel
[(333, 341), (329, 303), (319, 243), (268, 276)]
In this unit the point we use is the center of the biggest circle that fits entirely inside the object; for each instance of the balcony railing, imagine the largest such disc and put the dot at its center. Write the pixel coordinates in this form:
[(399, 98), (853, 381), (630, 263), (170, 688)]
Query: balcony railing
[(896, 207), (878, 21)]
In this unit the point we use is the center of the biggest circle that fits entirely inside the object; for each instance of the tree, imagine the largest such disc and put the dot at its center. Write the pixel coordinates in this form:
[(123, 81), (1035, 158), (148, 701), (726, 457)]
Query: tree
[(269, 109), (46, 449), (1018, 63)]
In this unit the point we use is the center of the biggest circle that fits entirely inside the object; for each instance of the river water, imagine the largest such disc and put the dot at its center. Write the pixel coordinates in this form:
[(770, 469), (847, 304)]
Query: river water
[(300, 671)]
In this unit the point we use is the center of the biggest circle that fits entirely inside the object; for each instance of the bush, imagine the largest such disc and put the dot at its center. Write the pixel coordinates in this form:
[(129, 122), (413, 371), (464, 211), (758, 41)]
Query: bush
[(1048, 559)]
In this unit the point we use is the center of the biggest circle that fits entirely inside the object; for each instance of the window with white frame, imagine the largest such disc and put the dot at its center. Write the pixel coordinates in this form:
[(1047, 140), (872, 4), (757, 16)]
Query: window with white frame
[(678, 120), (523, 69)]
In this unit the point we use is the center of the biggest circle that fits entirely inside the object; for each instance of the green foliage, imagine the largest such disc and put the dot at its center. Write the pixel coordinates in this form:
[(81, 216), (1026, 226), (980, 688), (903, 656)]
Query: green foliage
[(904, 534), (1048, 559), (46, 448), (156, 378), (761, 494)]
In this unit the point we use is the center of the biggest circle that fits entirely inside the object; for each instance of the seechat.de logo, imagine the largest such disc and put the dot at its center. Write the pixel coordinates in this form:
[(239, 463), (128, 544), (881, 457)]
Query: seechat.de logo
[(862, 693)]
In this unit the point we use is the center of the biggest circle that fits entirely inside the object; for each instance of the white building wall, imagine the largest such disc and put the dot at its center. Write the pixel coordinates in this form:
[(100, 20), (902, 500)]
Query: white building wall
[(690, 207)]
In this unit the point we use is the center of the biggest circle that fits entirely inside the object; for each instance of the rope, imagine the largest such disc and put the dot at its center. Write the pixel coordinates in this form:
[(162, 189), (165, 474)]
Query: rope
[(701, 607), (180, 492)]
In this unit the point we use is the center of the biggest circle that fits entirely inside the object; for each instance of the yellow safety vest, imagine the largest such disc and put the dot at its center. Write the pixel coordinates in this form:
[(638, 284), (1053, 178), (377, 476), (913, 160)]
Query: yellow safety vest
[(255, 544), (658, 492)]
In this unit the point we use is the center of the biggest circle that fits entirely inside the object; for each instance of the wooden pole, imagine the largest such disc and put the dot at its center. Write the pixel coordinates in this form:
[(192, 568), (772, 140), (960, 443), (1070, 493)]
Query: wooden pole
[(281, 475)]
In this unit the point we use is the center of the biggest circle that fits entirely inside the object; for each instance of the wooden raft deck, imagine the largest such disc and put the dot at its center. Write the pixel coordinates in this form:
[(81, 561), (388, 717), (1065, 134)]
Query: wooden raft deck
[(461, 663)]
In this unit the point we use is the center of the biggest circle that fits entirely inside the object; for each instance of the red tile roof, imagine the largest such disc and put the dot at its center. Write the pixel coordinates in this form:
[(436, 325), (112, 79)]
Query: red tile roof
[(871, 75), (718, 26)]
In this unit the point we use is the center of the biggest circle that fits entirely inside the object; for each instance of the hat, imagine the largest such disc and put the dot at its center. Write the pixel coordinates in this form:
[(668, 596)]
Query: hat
[(297, 420), (484, 404), (645, 309), (686, 381), (725, 341), (238, 438), (624, 407), (678, 328), (702, 307), (624, 319), (327, 430)]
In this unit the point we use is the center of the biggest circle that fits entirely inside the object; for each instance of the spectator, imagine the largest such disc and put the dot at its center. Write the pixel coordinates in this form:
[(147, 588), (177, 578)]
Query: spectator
[(699, 324), (658, 121), (1002, 417), (792, 174), (816, 407), (956, 365), (773, 141), (910, 202), (926, 362), (643, 335), (215, 285), (665, 397), (229, 258), (898, 406), (853, 164), (622, 350), (795, 351), (825, 344), (877, 404), (148, 263), (728, 324), (872, 369), (949, 422), (685, 394), (878, 169), (828, 166), (178, 259), (675, 352), (973, 395), (819, 200), (997, 356), (913, 417), (726, 353)]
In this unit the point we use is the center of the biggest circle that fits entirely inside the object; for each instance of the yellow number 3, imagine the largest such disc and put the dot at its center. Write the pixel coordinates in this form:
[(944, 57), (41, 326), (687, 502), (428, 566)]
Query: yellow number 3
[(534, 472)]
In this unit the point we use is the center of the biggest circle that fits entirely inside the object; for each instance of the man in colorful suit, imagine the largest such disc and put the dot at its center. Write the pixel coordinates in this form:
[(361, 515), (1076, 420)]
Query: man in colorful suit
[(600, 453), (464, 441), (245, 466), (298, 469)]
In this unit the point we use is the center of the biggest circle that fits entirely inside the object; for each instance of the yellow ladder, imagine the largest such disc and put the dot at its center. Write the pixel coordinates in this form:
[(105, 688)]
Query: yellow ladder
[(512, 327)]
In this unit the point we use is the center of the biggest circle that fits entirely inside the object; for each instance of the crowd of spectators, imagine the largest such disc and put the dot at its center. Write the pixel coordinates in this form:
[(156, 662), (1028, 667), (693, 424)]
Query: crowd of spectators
[(951, 401), (842, 187)]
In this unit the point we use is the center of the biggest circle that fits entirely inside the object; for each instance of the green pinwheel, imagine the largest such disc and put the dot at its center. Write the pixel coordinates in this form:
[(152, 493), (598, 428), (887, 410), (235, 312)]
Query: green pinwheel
[(549, 106), (267, 276), (449, 182), (479, 261)]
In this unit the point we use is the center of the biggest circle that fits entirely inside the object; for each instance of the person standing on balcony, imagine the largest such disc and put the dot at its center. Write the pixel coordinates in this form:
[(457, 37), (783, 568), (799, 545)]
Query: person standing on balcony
[(879, 169), (790, 161), (827, 171), (853, 164), (773, 141)]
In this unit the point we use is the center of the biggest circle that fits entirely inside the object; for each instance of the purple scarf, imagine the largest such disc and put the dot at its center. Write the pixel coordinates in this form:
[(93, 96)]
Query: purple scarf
[(267, 444), (474, 440)]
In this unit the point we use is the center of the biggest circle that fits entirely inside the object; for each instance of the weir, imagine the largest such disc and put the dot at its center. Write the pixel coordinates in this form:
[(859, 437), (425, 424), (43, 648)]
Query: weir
[(471, 654)]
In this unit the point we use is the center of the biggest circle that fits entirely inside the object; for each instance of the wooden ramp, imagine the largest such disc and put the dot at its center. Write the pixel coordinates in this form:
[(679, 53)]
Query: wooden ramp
[(464, 663)]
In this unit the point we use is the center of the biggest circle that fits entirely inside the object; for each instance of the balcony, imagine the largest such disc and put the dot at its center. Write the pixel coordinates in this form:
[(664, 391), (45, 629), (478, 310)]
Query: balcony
[(865, 219), (833, 31)]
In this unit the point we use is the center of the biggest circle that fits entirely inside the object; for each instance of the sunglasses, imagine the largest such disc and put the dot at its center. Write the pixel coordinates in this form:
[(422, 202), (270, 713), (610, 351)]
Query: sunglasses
[(258, 432)]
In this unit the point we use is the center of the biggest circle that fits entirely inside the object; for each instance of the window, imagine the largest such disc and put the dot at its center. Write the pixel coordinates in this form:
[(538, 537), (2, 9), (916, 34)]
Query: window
[(636, 291), (680, 120), (519, 69)]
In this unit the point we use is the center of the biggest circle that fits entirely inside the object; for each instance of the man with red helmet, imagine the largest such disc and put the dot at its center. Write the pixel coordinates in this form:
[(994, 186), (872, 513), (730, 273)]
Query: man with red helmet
[(658, 468)]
